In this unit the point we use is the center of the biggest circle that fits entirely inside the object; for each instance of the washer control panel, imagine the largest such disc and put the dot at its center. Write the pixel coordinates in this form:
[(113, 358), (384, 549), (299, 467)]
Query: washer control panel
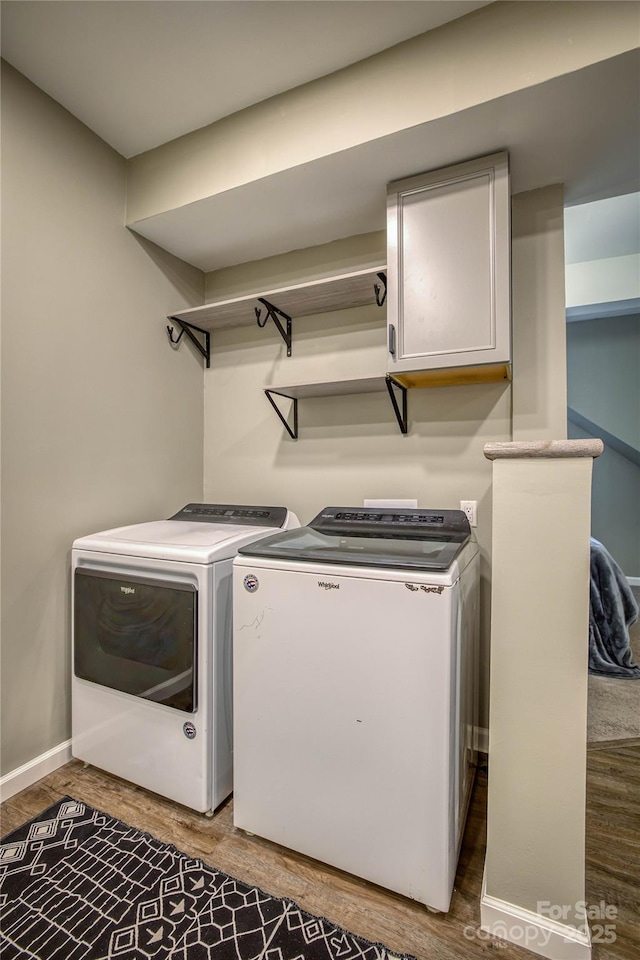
[(231, 513)]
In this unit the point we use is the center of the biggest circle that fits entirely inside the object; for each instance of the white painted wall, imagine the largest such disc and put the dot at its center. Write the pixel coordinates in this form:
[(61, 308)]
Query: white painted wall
[(537, 733), (101, 419), (539, 342), (492, 52), (602, 255), (350, 448), (604, 280)]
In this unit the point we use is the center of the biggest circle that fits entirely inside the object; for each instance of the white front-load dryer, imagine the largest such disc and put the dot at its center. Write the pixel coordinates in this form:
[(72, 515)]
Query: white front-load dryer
[(151, 648)]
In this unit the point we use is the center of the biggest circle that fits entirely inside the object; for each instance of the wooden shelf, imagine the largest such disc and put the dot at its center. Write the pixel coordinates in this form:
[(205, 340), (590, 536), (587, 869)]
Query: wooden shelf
[(338, 388), (329, 388), (304, 299), (456, 376)]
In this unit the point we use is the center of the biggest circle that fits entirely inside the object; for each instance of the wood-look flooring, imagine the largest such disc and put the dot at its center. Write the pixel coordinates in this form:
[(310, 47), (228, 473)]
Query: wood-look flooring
[(613, 859)]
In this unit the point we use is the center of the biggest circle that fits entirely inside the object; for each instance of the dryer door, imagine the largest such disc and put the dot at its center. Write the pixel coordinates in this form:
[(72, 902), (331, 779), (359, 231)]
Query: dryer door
[(137, 635)]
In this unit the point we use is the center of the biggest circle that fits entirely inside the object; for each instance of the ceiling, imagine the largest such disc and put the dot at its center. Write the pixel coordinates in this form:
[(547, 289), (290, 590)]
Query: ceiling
[(142, 72), (550, 138)]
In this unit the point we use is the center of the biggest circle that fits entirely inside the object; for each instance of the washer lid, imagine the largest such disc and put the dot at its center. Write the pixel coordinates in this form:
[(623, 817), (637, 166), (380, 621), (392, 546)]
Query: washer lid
[(189, 540), (407, 539)]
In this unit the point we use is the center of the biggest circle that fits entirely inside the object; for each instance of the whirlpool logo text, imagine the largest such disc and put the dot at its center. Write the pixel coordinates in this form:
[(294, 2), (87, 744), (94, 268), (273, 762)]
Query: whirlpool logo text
[(327, 585)]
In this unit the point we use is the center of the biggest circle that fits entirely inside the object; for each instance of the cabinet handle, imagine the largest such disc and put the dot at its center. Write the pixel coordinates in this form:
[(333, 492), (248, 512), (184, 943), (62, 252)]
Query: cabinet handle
[(392, 340)]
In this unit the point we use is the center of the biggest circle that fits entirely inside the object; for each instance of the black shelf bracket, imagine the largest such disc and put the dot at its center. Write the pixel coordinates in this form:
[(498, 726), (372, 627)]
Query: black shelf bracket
[(274, 313), (401, 416), (382, 277), (292, 431), (203, 348)]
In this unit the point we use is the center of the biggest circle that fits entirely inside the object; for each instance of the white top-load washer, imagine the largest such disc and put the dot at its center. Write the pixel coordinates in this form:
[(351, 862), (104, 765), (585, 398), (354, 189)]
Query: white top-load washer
[(151, 636), (355, 693)]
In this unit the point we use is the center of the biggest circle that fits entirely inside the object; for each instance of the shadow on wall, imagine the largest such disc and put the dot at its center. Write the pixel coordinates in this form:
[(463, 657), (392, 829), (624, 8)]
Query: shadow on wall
[(189, 281)]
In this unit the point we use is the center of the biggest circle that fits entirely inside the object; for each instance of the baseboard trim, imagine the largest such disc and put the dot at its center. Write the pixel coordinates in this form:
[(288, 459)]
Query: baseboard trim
[(28, 774), (481, 738), (634, 581), (539, 934)]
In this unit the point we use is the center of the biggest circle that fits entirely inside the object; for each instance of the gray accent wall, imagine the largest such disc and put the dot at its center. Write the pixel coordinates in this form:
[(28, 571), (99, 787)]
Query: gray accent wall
[(102, 421), (603, 391)]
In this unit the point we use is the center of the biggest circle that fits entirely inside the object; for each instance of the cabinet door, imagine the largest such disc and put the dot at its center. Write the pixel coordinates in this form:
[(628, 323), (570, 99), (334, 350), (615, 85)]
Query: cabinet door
[(449, 267)]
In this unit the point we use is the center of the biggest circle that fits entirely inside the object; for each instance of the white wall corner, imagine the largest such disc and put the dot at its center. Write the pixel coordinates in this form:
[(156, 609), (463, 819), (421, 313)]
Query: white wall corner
[(28, 774), (533, 931), (603, 281)]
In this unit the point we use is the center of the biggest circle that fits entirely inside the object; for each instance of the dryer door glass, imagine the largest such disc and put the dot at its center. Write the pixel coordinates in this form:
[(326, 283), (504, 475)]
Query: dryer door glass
[(137, 635)]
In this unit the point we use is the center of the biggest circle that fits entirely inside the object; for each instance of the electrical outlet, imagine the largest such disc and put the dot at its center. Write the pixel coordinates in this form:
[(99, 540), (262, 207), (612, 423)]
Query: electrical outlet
[(470, 507)]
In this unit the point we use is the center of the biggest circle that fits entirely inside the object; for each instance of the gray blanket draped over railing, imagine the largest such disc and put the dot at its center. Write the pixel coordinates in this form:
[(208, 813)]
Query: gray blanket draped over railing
[(612, 610)]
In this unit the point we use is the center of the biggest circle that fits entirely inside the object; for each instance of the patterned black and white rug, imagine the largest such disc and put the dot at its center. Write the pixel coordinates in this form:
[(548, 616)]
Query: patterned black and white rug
[(76, 884)]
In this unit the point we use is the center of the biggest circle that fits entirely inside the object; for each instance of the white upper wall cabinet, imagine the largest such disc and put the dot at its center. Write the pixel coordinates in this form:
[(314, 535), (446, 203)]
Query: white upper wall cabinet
[(448, 300)]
